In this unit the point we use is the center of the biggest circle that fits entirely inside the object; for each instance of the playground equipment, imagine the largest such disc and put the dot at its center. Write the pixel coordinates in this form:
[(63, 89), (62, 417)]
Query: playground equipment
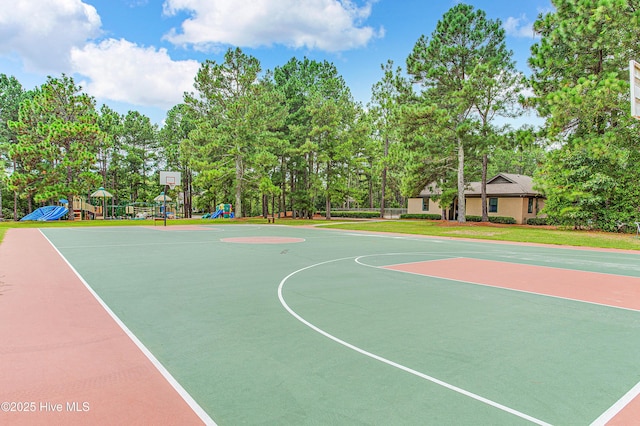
[(223, 210), (82, 210), (46, 213), (104, 194)]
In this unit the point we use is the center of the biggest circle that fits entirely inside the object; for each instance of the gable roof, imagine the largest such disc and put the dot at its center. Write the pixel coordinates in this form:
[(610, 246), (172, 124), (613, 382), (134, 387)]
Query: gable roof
[(502, 184), (505, 184)]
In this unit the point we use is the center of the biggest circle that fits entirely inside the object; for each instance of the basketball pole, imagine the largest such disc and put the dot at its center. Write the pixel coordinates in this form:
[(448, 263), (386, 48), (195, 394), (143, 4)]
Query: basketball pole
[(168, 180), (164, 208)]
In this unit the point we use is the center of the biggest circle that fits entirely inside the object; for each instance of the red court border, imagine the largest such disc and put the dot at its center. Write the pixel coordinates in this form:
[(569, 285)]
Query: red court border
[(603, 289), (64, 359)]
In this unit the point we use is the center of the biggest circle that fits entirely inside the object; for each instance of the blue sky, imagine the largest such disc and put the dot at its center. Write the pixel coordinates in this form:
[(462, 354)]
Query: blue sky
[(143, 54)]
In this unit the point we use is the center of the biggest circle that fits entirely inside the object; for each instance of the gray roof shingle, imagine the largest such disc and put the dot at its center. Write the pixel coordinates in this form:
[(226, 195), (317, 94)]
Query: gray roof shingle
[(503, 184)]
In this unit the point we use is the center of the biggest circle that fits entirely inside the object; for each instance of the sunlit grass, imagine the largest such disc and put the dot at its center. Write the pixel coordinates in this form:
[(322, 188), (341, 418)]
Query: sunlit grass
[(500, 233)]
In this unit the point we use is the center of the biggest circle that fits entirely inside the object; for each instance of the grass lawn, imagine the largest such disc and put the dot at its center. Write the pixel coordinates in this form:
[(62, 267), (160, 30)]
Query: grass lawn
[(515, 233), (475, 230)]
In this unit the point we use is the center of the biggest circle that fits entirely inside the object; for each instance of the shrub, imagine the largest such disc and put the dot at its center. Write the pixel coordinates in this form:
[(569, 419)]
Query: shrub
[(351, 214), (421, 216), (539, 221), (492, 219), (502, 219)]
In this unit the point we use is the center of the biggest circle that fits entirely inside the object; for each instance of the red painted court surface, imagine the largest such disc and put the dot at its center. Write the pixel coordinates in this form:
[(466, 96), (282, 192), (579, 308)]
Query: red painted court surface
[(605, 289), (63, 358)]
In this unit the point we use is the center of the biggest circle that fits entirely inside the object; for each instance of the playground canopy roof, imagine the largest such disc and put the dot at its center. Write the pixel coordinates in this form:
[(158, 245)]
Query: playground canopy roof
[(162, 197), (101, 193)]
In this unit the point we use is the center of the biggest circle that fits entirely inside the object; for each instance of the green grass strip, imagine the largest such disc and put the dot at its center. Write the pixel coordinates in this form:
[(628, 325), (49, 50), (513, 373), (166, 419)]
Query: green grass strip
[(480, 231)]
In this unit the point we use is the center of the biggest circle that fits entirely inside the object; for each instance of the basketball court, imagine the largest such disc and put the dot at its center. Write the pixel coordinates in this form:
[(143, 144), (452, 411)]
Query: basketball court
[(248, 324)]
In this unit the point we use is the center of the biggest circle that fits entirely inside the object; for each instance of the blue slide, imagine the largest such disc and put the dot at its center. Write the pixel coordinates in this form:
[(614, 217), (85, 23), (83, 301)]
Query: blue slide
[(46, 213), (217, 214), (38, 213), (55, 214)]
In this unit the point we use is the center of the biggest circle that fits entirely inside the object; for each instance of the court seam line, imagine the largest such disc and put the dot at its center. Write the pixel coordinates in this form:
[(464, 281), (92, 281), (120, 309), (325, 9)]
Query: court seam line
[(504, 288), (392, 363), (618, 406), (199, 411)]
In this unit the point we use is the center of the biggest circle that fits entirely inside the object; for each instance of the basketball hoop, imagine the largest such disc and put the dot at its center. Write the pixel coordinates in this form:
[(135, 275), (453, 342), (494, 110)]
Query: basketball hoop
[(171, 182), (170, 179), (634, 82)]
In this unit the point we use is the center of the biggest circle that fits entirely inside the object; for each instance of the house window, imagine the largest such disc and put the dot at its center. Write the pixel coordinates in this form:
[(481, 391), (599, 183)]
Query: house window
[(425, 204), (530, 207), (493, 205)]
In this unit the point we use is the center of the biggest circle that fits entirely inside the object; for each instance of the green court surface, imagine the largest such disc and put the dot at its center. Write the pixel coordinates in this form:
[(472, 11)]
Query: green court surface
[(315, 332)]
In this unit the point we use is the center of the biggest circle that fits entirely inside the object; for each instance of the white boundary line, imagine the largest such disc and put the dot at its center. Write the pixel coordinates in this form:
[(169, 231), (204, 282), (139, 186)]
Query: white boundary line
[(165, 373), (618, 406), (508, 262), (580, 255), (604, 417), (387, 361), (357, 260)]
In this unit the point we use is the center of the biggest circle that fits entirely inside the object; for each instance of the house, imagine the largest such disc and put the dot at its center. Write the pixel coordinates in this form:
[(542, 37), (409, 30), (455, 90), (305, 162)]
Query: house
[(508, 195)]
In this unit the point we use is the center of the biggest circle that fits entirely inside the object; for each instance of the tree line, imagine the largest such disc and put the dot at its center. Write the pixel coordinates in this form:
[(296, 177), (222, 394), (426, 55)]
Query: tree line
[(294, 139)]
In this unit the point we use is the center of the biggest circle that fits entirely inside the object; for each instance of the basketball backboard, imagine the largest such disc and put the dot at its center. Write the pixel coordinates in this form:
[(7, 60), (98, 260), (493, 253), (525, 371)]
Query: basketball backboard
[(170, 179), (634, 81)]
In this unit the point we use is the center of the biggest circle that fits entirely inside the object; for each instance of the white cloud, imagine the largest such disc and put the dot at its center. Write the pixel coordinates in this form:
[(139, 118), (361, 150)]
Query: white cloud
[(119, 70), (330, 25), (43, 32), (519, 27)]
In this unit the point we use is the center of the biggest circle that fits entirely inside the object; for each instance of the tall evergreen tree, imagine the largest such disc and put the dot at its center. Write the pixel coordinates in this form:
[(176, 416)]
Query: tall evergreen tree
[(465, 50), (234, 116), (311, 87), (298, 80), (178, 124), (11, 94), (110, 123), (139, 144), (58, 138), (387, 95), (330, 125), (581, 87)]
